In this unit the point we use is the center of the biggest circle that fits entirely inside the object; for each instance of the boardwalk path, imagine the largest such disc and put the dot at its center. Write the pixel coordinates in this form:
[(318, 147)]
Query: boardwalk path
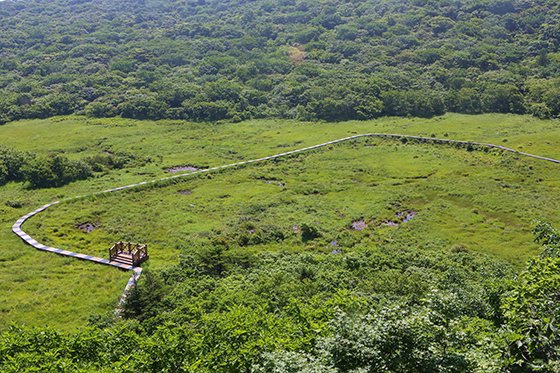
[(137, 271)]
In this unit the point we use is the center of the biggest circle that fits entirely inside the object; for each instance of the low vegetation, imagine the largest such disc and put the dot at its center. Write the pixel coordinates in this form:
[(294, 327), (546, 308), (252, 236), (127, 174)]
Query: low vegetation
[(372, 255), (384, 309), (381, 254), (54, 170)]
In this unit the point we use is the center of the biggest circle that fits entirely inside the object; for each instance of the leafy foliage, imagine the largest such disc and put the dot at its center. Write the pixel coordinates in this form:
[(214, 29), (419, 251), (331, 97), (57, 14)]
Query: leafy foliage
[(532, 310), (330, 60), (369, 310), (55, 170), (347, 315), (250, 294)]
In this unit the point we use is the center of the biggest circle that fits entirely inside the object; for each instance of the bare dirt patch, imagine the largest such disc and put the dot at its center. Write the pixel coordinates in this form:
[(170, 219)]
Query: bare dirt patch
[(296, 54), (391, 223), (275, 182), (401, 218), (408, 216), (87, 227), (359, 225), (184, 168)]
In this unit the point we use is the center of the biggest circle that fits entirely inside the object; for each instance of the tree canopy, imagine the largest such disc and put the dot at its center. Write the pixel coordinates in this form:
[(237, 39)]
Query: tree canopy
[(234, 59)]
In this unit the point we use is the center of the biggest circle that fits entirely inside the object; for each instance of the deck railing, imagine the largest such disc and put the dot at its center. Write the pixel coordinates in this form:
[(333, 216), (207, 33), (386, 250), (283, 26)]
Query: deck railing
[(137, 251)]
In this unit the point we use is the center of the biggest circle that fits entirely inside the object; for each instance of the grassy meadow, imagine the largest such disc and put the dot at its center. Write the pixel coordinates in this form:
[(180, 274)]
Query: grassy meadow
[(346, 196)]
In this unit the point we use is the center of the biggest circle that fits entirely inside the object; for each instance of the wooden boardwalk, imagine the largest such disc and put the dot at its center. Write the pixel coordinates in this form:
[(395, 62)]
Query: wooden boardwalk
[(137, 271)]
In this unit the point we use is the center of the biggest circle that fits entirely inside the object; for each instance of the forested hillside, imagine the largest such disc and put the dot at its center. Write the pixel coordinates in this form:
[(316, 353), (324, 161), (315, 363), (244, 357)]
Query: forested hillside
[(209, 60)]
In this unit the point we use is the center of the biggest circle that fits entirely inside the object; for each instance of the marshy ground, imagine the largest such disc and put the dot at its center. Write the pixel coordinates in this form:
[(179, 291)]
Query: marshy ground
[(356, 194)]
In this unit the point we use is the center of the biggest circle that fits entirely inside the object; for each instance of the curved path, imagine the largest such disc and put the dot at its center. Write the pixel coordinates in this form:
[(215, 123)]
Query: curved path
[(137, 271)]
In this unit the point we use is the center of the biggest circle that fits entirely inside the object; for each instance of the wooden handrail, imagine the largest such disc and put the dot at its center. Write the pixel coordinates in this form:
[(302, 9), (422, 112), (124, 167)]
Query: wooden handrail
[(138, 252)]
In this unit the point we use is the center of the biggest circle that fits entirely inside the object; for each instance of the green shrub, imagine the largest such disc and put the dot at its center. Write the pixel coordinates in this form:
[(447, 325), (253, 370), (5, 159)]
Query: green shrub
[(13, 162), (4, 177), (100, 110), (532, 319), (309, 232), (143, 106), (143, 302), (14, 204), (540, 110), (55, 171), (117, 160), (209, 111)]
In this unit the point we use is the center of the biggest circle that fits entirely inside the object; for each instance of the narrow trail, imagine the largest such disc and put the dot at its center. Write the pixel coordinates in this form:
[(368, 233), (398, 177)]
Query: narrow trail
[(137, 271)]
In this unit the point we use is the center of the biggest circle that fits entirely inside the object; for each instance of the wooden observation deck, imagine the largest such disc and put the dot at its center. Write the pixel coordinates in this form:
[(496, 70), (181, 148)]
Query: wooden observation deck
[(128, 253)]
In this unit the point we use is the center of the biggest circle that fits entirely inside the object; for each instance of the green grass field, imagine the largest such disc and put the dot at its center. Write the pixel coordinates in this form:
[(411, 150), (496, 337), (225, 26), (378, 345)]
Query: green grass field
[(478, 201)]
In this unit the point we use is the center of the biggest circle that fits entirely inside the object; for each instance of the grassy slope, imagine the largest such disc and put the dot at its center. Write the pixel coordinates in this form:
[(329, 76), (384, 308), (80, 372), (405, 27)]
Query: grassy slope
[(483, 202)]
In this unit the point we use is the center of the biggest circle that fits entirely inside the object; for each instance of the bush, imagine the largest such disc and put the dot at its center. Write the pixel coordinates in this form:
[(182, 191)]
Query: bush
[(118, 160), (424, 104), (61, 104), (208, 111), (3, 173), (100, 110), (55, 171), (309, 232), (4, 118), (13, 162), (39, 173), (540, 110), (143, 106), (532, 314), (552, 99), (503, 98), (14, 204), (395, 340), (331, 109), (466, 100), (142, 302)]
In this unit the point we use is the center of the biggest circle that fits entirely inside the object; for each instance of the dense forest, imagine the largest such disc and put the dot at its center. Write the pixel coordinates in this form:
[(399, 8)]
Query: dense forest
[(208, 60)]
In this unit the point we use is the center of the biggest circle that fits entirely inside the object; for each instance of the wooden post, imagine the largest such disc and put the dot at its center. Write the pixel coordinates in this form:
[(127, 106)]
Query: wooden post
[(136, 252)]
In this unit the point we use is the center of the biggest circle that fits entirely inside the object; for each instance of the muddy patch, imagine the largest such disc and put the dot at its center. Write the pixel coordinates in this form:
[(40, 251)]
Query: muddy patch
[(184, 168), (186, 192), (271, 181), (408, 216), (359, 225), (401, 218), (87, 227), (275, 182), (390, 223)]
